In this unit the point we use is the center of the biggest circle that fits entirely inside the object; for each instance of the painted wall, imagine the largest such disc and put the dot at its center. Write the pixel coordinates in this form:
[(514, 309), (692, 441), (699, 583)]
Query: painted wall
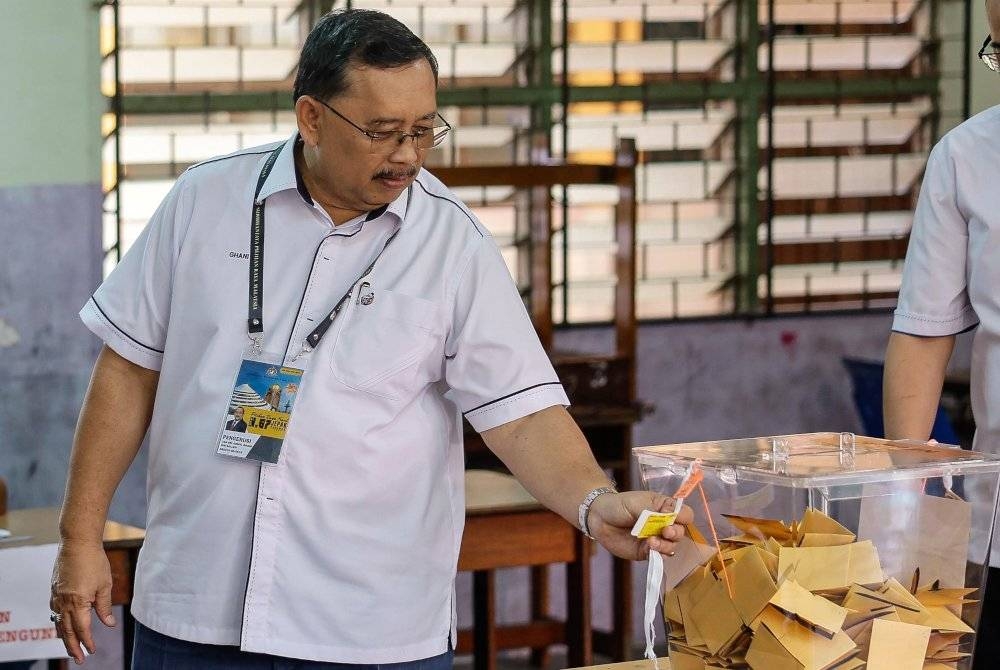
[(51, 100), (50, 224)]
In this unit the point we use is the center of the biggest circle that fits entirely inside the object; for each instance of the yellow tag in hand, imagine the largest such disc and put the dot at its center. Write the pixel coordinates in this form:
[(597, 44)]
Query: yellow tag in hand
[(650, 524)]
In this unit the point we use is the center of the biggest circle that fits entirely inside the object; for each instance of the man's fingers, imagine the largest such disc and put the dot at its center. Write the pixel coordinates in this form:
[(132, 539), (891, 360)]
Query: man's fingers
[(686, 515), (623, 509), (69, 637), (672, 533), (665, 547), (629, 548), (103, 607), (81, 627)]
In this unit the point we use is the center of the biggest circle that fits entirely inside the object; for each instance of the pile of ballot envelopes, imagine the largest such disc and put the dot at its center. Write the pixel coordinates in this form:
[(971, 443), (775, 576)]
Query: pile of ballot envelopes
[(809, 596)]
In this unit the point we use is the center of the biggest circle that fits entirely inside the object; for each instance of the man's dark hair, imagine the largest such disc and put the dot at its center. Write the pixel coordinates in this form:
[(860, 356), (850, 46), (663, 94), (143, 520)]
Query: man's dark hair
[(347, 37)]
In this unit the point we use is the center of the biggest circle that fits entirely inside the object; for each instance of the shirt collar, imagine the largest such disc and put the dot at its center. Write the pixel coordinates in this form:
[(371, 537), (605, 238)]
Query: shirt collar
[(285, 175)]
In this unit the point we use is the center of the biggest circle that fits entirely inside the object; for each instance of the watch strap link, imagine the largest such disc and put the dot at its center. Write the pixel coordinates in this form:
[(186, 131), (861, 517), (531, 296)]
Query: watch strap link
[(587, 502)]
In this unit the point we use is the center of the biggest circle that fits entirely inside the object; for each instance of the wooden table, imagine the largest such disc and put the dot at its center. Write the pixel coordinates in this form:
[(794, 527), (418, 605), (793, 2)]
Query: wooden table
[(121, 543), (505, 527), (630, 665), (609, 433)]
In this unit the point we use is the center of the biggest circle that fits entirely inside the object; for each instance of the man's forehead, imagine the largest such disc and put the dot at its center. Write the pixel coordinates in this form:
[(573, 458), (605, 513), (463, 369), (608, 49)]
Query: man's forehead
[(416, 79), (382, 97)]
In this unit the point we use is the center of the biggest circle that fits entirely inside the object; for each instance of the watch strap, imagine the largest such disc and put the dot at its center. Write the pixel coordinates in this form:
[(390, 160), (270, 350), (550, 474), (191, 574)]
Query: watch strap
[(585, 507)]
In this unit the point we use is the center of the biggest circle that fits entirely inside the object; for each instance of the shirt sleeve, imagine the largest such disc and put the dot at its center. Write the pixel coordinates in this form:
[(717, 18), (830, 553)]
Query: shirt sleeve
[(495, 365), (130, 311), (933, 297)]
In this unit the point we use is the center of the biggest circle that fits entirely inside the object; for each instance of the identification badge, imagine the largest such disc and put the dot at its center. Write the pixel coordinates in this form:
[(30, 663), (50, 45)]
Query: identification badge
[(260, 408)]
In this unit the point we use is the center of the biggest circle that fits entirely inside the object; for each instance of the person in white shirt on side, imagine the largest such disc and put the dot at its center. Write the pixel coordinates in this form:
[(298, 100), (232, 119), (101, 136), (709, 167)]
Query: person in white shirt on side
[(951, 284), (379, 299)]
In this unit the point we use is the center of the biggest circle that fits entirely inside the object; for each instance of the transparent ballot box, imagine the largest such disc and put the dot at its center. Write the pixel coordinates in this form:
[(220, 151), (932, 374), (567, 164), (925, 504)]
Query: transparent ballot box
[(825, 550)]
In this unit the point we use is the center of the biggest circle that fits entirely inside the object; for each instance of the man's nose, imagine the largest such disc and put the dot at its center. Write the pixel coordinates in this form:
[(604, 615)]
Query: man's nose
[(406, 151)]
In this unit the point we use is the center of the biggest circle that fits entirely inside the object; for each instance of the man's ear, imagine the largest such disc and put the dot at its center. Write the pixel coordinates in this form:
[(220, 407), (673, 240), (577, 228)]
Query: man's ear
[(307, 116)]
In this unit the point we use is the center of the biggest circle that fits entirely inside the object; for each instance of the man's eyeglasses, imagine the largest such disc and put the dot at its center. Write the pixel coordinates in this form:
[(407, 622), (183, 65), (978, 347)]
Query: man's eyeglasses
[(385, 142), (990, 58)]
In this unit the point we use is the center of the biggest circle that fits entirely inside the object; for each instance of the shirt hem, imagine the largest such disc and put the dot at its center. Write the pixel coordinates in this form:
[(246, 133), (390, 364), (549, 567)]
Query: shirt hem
[(330, 654), (197, 634), (118, 341), (517, 407), (917, 324)]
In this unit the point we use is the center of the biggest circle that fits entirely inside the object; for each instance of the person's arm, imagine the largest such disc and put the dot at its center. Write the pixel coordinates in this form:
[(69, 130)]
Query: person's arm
[(550, 456), (113, 421), (914, 374)]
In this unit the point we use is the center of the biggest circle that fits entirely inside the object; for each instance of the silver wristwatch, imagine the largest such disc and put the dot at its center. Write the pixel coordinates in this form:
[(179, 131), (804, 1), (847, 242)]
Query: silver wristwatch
[(587, 502)]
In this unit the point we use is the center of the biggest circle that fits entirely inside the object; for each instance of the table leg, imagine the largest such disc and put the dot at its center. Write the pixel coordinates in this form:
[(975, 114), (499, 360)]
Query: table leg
[(621, 647), (484, 648), (579, 638), (540, 609)]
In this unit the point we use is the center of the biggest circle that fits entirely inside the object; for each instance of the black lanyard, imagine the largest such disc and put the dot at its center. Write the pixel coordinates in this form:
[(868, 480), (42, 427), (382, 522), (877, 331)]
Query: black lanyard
[(255, 311)]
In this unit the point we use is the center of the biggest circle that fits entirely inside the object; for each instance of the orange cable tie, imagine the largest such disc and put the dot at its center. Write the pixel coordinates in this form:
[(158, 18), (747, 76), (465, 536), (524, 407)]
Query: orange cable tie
[(715, 537)]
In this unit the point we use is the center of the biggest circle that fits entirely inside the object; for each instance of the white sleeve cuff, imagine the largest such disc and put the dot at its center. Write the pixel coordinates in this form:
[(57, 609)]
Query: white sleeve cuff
[(926, 326), (117, 339), (517, 405)]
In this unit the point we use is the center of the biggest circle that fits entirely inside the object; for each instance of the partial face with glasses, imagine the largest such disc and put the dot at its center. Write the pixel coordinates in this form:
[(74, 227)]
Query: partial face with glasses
[(364, 147), (989, 53)]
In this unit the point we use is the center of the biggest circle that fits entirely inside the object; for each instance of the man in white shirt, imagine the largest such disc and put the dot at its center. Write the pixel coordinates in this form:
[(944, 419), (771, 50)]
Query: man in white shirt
[(330, 530), (951, 284)]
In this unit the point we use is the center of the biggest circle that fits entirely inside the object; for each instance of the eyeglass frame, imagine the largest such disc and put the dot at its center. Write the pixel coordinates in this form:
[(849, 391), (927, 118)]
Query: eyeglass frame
[(992, 63), (373, 135)]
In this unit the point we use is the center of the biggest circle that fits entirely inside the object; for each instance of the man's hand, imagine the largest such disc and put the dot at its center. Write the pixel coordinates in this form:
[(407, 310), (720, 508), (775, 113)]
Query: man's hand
[(613, 515), (112, 423), (81, 580)]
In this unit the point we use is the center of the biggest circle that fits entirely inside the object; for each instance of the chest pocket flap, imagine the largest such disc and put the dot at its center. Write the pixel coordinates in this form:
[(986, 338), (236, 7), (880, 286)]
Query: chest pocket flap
[(381, 344)]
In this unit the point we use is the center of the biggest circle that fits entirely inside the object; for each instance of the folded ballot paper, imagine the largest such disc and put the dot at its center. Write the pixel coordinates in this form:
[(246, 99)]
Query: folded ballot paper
[(809, 596)]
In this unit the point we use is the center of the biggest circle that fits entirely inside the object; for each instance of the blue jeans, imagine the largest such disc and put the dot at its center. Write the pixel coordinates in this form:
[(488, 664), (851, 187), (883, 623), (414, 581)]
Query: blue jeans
[(154, 651)]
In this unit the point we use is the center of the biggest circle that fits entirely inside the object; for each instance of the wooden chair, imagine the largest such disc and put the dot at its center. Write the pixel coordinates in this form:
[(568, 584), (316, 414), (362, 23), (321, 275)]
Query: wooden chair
[(505, 527)]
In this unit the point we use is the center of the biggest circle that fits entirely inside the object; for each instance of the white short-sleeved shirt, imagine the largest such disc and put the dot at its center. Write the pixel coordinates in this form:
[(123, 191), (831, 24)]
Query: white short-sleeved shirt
[(951, 280), (346, 550)]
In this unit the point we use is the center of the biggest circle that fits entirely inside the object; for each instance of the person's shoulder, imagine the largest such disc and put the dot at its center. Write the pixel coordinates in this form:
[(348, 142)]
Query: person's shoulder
[(235, 166), (975, 139), (442, 204)]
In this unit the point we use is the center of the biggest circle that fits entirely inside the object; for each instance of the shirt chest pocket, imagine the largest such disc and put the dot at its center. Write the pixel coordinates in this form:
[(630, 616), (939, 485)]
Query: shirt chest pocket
[(382, 346)]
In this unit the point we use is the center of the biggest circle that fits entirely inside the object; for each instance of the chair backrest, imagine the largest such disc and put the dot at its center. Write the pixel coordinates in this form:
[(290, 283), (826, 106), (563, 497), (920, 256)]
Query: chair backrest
[(866, 379)]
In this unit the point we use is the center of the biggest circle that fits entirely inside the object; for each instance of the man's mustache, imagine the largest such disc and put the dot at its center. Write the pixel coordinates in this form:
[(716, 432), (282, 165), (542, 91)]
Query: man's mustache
[(389, 174)]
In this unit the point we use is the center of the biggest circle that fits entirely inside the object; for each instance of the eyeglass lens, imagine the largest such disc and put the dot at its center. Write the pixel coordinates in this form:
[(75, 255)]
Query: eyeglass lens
[(426, 140), (990, 58)]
